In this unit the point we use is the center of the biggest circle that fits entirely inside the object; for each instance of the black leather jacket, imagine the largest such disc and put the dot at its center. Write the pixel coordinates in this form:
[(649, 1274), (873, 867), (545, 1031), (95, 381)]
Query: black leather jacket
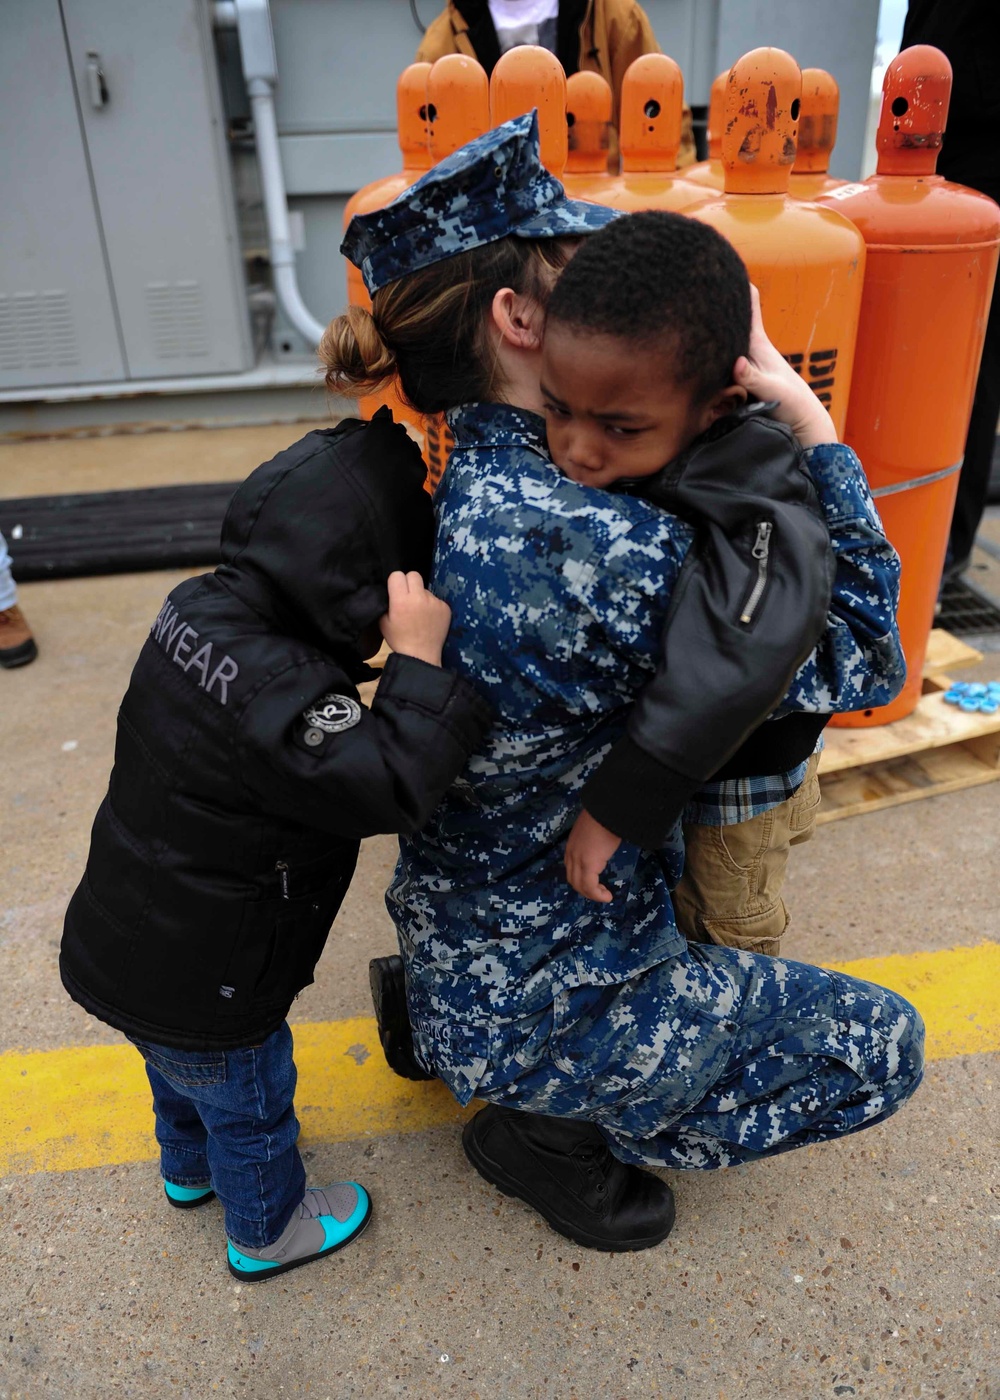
[(246, 771), (749, 606)]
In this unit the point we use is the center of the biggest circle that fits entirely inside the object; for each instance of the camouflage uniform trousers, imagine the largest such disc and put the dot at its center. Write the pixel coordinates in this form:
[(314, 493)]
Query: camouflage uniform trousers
[(714, 1058)]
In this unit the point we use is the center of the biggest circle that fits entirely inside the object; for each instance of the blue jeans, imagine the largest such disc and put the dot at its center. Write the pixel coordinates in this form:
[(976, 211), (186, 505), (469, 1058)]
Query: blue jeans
[(227, 1117), (8, 592)]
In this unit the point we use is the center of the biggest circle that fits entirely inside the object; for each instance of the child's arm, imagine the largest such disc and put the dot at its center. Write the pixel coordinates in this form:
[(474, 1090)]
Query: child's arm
[(858, 661), (314, 753)]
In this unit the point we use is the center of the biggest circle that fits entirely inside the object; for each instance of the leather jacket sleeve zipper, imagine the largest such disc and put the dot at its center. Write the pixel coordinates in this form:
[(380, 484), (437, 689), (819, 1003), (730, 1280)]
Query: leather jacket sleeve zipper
[(281, 866), (761, 550)]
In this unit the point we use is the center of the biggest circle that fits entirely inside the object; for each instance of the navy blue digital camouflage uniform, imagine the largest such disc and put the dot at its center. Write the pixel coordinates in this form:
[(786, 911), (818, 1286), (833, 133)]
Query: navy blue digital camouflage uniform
[(522, 991)]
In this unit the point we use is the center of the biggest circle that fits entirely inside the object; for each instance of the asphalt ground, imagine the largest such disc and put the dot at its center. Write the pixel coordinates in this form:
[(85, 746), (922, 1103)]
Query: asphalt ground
[(867, 1267)]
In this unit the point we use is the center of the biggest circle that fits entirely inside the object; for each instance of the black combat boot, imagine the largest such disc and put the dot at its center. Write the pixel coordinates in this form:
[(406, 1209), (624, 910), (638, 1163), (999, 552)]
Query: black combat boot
[(387, 980), (565, 1169)]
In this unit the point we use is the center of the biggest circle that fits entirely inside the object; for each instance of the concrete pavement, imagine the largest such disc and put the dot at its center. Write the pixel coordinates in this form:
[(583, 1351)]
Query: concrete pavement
[(867, 1267)]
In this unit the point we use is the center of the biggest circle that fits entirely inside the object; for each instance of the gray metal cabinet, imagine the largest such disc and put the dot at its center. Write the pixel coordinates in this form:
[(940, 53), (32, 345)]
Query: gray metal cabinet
[(121, 238), (57, 320), (162, 182)]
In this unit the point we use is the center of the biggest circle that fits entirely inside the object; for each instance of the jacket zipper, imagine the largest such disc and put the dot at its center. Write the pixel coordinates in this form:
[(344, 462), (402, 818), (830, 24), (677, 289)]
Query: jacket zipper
[(281, 867), (761, 550)]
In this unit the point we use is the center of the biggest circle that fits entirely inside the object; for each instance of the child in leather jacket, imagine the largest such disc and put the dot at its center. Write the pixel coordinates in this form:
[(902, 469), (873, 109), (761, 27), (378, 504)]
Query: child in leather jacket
[(643, 330), (246, 773)]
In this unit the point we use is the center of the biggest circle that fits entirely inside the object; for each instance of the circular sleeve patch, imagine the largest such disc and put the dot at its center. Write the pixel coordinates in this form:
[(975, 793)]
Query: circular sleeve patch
[(333, 714)]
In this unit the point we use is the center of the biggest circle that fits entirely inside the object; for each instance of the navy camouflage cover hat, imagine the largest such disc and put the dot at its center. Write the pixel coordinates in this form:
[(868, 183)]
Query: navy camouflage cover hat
[(484, 191)]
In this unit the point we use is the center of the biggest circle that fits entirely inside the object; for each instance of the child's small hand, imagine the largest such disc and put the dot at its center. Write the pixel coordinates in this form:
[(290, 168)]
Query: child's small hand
[(588, 850), (417, 622), (767, 375)]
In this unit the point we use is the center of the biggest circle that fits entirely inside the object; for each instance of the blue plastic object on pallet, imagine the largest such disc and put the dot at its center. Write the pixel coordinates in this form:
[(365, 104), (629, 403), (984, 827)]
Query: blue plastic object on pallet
[(974, 697)]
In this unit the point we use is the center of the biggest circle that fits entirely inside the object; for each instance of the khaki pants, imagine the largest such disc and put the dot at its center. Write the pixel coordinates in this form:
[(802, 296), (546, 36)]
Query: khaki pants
[(730, 892)]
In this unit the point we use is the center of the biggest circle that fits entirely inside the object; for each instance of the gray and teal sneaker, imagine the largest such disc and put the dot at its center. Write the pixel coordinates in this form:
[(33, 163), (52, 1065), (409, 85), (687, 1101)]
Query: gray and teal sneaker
[(187, 1197), (327, 1219)]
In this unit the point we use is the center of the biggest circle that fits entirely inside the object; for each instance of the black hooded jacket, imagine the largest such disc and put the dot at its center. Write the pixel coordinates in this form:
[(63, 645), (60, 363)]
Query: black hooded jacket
[(246, 770)]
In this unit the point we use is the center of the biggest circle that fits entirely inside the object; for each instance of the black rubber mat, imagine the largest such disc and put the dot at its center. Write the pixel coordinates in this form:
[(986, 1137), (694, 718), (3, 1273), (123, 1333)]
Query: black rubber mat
[(115, 532), (964, 611)]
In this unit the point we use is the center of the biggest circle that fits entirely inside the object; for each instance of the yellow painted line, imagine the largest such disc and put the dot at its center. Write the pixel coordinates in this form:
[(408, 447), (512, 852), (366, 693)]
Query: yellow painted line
[(62, 1110)]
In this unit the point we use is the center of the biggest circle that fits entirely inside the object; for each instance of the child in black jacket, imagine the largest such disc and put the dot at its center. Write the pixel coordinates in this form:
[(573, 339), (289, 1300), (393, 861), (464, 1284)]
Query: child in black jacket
[(246, 772)]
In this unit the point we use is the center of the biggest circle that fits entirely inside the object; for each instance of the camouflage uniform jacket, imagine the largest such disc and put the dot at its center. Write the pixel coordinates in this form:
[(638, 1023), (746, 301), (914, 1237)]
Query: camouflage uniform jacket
[(558, 595)]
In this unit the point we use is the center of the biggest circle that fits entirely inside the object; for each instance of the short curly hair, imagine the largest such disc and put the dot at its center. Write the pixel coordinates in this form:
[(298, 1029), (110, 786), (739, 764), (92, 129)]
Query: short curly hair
[(664, 282)]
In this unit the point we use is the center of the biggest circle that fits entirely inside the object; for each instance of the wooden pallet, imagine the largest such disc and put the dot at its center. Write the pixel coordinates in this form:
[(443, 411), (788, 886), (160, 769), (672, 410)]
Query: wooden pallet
[(938, 748)]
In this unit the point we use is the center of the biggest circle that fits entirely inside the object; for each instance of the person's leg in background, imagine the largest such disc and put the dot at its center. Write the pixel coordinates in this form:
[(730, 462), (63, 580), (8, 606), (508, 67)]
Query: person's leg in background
[(17, 645), (974, 481)]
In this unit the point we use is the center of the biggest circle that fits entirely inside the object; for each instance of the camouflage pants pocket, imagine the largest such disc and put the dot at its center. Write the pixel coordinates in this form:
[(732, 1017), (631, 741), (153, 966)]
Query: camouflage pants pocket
[(657, 1034)]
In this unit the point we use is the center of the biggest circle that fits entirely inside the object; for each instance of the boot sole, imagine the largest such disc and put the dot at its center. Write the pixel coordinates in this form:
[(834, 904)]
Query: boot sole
[(21, 655), (190, 1205), (390, 1006), (509, 1186), (307, 1259)]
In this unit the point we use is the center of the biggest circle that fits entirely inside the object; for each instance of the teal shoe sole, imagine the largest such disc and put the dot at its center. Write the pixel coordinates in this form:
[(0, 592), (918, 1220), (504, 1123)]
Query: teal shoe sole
[(187, 1197), (355, 1226)]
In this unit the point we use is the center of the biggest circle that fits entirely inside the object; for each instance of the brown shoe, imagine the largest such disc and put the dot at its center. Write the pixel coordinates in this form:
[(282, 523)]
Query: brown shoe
[(17, 645)]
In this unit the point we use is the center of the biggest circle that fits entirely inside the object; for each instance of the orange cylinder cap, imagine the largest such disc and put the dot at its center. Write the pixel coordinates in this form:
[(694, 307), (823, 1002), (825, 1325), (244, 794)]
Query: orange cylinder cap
[(458, 104), (588, 115), (916, 91), (651, 113), (411, 116), (760, 128), (716, 114), (527, 77), (817, 121)]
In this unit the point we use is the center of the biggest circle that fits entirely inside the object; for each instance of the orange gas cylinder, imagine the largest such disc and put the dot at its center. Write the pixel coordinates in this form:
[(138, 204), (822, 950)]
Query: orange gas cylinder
[(807, 262), (458, 104), (588, 121), (709, 172), (932, 259), (817, 135), (528, 77), (651, 114), (413, 134)]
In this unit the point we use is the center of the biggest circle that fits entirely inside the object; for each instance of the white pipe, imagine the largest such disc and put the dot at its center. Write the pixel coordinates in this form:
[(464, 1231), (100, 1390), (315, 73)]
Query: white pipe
[(276, 211), (224, 14)]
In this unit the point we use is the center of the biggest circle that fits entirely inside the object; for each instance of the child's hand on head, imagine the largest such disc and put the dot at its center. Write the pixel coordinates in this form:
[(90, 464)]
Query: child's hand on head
[(588, 850), (417, 622), (767, 375)]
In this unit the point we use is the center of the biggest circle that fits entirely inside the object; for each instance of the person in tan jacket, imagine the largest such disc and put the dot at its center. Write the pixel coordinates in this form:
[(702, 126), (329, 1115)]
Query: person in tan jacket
[(596, 36)]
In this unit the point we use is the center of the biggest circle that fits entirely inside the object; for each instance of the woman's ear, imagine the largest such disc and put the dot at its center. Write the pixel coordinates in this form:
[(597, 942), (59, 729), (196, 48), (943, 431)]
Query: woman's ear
[(519, 319)]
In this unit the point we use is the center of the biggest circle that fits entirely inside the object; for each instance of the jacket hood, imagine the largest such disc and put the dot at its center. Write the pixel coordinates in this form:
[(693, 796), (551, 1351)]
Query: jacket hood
[(310, 537)]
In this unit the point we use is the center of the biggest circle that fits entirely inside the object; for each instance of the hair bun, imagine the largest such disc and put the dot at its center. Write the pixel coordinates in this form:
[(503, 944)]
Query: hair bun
[(356, 358)]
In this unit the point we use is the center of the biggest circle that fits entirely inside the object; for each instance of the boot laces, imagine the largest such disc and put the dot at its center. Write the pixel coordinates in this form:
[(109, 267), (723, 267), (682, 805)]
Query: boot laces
[(593, 1160)]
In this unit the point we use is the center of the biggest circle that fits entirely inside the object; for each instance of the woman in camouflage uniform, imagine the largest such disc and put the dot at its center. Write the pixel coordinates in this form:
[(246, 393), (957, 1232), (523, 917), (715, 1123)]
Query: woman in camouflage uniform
[(588, 1027)]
